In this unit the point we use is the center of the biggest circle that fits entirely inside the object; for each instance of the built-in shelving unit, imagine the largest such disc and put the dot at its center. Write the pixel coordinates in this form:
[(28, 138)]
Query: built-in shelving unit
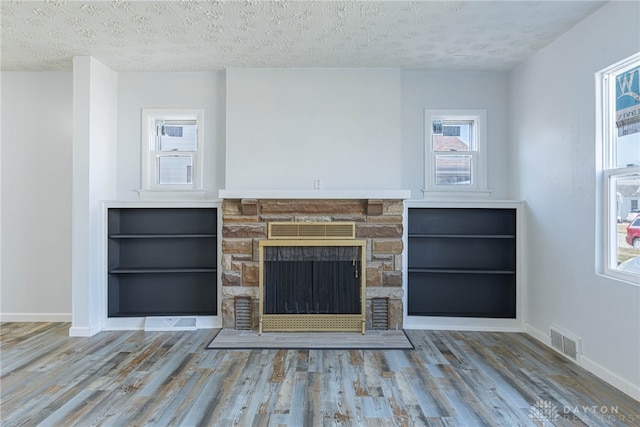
[(162, 261), (462, 262)]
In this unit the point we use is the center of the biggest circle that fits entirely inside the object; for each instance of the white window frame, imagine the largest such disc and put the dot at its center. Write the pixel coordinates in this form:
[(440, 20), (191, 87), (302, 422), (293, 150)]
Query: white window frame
[(478, 185), (150, 152), (606, 131)]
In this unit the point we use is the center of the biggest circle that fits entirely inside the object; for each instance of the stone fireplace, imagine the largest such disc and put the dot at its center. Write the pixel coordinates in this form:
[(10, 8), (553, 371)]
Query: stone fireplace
[(378, 222)]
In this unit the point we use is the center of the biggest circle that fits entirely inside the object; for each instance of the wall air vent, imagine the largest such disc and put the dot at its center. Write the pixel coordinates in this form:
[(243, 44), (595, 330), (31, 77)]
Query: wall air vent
[(565, 344), (312, 230), (244, 313), (380, 313)]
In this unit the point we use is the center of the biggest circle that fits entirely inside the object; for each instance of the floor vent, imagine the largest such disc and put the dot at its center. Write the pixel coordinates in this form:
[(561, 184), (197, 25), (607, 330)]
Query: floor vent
[(244, 313), (170, 323), (380, 313), (565, 344)]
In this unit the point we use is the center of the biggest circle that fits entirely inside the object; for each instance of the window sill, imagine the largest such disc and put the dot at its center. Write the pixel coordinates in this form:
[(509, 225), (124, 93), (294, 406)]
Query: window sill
[(172, 195), (626, 278)]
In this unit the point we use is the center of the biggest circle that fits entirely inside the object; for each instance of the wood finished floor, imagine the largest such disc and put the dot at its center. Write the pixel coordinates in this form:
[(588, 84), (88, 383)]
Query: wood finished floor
[(135, 378)]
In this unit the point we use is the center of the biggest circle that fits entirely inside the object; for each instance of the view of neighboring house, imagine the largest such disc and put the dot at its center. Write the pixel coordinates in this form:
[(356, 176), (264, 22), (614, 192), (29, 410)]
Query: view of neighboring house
[(628, 197), (449, 143)]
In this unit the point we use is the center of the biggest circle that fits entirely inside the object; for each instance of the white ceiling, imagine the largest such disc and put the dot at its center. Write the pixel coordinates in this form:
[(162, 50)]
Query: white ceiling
[(195, 35)]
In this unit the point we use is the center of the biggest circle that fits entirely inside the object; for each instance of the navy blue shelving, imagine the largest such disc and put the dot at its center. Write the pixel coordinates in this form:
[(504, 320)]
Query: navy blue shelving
[(162, 261), (462, 262)]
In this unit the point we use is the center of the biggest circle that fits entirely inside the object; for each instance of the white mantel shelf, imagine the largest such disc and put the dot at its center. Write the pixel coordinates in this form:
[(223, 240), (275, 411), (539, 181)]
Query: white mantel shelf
[(315, 194)]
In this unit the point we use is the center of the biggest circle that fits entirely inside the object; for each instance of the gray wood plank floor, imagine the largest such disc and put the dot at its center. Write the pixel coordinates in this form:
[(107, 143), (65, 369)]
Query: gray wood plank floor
[(137, 378)]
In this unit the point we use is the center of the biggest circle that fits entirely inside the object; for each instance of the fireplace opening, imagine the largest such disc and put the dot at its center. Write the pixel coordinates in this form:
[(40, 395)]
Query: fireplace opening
[(315, 284), (312, 280)]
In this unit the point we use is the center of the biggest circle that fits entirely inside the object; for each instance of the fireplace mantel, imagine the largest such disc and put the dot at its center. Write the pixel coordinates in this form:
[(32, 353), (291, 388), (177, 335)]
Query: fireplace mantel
[(315, 194)]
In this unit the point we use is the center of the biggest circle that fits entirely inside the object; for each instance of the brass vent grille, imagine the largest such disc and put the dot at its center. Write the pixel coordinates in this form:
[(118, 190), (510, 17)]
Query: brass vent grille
[(312, 322), (312, 230)]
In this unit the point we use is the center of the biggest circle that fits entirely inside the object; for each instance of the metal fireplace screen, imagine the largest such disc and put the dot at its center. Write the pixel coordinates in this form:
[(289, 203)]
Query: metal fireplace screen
[(312, 285)]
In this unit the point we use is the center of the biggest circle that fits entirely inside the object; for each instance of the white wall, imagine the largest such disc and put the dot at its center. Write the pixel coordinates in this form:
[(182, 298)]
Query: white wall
[(95, 111), (552, 100), (289, 127), (423, 90), (36, 179), (137, 91)]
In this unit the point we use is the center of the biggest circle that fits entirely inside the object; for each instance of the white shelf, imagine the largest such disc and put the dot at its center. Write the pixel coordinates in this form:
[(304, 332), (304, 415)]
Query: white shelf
[(314, 194)]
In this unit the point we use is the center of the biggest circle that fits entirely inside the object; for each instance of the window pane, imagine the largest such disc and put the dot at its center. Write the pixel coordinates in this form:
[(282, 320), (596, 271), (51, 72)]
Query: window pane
[(627, 104), (628, 150), (627, 190), (453, 135), (175, 169), (176, 135), (453, 170)]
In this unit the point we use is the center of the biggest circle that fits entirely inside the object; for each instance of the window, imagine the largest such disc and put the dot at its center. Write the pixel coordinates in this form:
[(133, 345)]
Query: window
[(618, 107), (172, 150), (455, 151)]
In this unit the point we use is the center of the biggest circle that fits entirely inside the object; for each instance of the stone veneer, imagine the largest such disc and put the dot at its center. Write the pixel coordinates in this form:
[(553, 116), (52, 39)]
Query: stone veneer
[(244, 224)]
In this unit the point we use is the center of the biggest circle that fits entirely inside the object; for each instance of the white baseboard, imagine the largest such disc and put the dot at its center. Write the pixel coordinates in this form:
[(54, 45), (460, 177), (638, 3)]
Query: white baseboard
[(83, 331), (35, 317), (613, 379), (462, 324), (544, 338), (599, 371), (209, 322)]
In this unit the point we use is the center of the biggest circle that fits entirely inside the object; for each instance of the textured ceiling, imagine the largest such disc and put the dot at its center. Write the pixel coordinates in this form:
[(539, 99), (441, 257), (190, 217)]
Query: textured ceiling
[(194, 35)]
